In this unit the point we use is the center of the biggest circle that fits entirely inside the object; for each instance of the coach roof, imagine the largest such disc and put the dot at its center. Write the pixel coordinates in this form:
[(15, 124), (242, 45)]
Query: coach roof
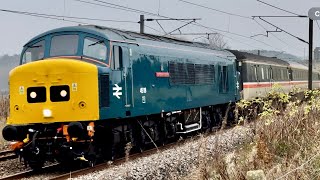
[(245, 56)]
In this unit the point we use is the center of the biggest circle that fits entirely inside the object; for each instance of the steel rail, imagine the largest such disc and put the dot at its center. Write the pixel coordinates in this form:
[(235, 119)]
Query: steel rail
[(29, 173), (132, 157), (7, 154)]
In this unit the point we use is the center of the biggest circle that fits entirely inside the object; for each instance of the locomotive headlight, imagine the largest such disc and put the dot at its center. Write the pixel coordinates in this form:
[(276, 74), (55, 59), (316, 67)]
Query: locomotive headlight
[(63, 93), (33, 94), (47, 113)]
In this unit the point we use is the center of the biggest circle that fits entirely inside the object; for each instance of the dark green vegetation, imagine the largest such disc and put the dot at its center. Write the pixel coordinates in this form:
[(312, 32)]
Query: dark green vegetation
[(285, 146)]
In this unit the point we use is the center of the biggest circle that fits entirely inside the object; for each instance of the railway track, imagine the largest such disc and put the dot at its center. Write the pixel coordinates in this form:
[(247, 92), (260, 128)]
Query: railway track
[(56, 168), (76, 173), (103, 166), (29, 173), (7, 154)]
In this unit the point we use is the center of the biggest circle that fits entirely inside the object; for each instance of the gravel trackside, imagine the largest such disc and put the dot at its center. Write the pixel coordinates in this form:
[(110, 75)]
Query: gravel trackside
[(178, 161), (10, 167)]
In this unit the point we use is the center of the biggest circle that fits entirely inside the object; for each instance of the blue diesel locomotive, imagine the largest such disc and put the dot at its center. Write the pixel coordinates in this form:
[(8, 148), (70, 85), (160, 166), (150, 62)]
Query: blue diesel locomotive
[(84, 92)]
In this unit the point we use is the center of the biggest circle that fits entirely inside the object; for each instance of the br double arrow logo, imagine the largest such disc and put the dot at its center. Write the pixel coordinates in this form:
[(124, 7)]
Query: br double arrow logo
[(117, 91)]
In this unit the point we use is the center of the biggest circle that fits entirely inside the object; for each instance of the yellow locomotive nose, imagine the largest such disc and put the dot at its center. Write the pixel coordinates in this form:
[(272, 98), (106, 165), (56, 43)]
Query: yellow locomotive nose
[(53, 90)]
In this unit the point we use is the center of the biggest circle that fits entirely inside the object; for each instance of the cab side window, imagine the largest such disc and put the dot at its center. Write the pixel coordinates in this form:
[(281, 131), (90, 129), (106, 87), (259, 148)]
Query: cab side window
[(95, 48), (117, 58)]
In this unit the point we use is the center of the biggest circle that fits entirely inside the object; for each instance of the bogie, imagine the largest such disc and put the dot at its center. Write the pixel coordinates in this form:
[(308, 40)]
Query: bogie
[(115, 138)]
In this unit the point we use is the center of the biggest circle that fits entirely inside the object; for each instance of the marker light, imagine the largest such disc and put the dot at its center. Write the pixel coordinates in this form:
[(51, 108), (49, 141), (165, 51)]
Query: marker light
[(33, 94), (31, 130), (47, 113), (63, 93)]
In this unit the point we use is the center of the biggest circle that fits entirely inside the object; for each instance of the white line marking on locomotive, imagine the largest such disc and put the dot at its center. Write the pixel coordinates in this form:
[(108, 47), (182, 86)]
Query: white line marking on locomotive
[(74, 86), (117, 90), (143, 90), (21, 90), (143, 99)]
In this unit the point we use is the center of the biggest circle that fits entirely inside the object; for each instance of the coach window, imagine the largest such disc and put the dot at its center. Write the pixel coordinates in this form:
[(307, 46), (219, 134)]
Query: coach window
[(278, 74), (293, 75), (64, 45), (262, 73), (34, 52), (251, 75), (300, 75), (256, 73), (117, 58), (94, 48), (271, 73)]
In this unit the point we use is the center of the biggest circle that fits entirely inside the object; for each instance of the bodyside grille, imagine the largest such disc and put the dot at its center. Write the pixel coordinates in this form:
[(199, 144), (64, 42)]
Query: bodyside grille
[(187, 73), (104, 90)]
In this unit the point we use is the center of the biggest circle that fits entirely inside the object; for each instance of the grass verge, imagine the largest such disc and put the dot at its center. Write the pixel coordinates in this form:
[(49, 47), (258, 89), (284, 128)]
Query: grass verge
[(286, 143)]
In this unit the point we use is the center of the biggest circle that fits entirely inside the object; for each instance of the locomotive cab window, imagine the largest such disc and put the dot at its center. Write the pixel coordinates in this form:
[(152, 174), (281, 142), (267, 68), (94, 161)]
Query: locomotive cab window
[(95, 48), (117, 58), (34, 52), (64, 45)]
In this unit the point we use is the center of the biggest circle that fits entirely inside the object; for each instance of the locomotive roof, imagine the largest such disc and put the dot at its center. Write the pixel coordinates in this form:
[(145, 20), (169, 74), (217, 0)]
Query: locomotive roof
[(245, 56), (138, 38)]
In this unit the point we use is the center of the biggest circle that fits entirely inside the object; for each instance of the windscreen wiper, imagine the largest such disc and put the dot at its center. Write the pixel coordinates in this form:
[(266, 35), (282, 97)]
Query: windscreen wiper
[(34, 46), (95, 43)]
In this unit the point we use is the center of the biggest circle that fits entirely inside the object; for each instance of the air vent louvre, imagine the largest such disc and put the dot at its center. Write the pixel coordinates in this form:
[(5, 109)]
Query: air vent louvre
[(104, 90), (187, 73)]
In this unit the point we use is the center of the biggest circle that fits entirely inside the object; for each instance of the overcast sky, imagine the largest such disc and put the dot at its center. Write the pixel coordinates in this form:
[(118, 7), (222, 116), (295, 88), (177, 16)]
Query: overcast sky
[(17, 29)]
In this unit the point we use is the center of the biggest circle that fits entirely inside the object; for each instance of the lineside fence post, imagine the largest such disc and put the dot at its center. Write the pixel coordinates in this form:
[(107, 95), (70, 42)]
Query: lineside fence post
[(310, 53)]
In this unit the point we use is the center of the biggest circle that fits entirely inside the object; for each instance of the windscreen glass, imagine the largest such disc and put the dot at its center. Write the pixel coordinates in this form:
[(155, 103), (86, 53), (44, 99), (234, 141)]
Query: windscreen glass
[(64, 45), (95, 48), (33, 52)]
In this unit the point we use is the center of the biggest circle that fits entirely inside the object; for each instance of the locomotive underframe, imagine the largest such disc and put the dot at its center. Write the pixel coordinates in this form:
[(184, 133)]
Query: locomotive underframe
[(111, 138)]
